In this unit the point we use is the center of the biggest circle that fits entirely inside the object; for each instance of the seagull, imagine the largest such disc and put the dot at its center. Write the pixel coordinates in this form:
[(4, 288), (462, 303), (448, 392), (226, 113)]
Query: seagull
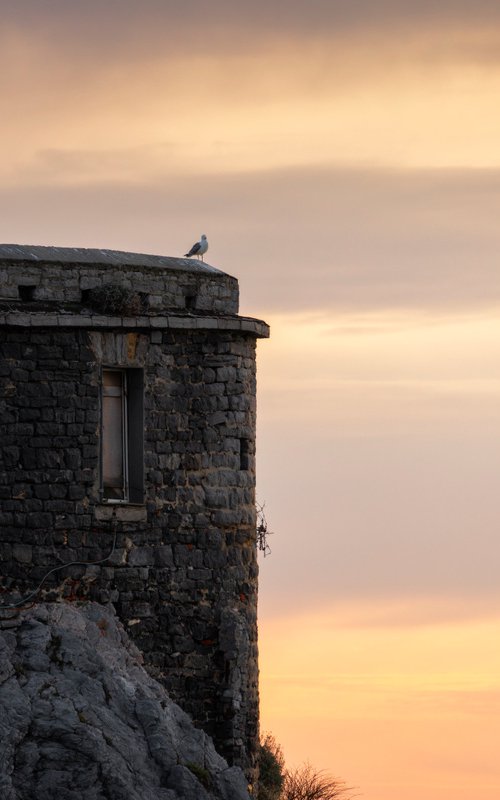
[(199, 248)]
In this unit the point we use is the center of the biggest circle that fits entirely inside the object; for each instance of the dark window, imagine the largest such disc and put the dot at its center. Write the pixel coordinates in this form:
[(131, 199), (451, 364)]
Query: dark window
[(190, 301), (122, 440), (26, 293), (244, 454)]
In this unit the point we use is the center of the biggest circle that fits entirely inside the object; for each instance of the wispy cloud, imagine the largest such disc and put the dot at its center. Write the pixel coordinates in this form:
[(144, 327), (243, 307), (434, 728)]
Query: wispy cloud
[(299, 239), (118, 23)]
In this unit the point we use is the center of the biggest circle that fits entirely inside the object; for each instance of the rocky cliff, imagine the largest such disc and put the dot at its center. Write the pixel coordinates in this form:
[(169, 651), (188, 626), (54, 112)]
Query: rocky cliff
[(80, 718)]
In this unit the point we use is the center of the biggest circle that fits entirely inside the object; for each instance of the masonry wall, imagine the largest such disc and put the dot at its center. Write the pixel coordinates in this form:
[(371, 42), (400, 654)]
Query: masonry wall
[(182, 570), (165, 283)]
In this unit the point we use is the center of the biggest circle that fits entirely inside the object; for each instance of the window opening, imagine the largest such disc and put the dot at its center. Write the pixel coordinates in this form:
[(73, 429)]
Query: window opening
[(114, 434), (26, 293), (190, 301), (122, 439), (244, 454)]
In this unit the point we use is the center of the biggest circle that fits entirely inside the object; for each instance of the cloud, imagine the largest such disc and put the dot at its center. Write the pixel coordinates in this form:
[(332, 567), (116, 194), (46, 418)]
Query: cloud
[(70, 167), (119, 76), (383, 491), (298, 239), (117, 22), (406, 612), (319, 42)]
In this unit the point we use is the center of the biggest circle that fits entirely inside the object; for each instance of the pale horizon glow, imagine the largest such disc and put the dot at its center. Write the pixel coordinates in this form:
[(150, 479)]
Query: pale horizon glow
[(425, 698)]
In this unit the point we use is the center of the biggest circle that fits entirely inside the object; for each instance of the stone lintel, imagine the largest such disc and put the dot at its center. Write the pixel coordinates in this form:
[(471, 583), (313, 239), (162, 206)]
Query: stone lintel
[(121, 512)]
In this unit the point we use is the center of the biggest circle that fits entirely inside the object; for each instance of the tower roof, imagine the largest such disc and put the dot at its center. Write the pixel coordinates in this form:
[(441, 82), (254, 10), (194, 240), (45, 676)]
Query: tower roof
[(85, 255)]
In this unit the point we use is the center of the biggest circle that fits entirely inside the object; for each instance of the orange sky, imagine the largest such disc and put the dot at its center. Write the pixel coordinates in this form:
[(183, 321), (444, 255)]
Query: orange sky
[(406, 709), (379, 607), (343, 160)]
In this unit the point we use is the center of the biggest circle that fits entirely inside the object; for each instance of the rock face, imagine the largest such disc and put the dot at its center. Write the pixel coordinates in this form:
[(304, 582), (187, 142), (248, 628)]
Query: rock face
[(80, 718)]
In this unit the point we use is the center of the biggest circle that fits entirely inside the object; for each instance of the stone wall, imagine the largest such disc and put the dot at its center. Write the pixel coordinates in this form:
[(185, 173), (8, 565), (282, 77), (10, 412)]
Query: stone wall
[(183, 575), (64, 275), (179, 567)]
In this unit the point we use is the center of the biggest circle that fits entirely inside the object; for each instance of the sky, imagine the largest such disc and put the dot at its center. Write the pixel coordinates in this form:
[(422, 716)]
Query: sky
[(342, 157)]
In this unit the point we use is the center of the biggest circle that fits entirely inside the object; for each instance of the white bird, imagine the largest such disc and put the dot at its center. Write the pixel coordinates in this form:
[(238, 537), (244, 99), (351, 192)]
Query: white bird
[(199, 248)]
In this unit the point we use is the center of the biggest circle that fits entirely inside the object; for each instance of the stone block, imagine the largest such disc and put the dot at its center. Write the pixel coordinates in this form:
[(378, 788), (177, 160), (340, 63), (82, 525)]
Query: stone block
[(163, 556), (141, 556), (122, 513), (39, 520), (23, 553)]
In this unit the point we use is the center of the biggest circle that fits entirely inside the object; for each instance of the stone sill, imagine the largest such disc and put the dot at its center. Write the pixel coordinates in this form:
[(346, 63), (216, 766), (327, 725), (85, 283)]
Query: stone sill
[(254, 327), (123, 512)]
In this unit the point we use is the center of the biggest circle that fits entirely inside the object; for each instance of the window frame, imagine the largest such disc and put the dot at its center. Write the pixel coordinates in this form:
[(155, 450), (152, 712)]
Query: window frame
[(132, 436)]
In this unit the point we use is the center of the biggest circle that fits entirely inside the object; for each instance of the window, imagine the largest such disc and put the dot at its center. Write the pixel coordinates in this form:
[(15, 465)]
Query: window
[(244, 454), (26, 293), (122, 437)]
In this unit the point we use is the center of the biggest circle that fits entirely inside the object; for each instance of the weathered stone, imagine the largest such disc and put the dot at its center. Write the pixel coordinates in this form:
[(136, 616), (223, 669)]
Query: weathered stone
[(22, 553), (80, 717), (185, 552)]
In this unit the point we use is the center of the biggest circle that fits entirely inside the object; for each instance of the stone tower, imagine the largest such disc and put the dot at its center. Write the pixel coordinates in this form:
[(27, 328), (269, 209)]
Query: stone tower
[(127, 419)]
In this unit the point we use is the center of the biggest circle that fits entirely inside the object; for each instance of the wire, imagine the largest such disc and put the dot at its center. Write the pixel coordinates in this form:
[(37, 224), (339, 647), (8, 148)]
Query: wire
[(56, 569)]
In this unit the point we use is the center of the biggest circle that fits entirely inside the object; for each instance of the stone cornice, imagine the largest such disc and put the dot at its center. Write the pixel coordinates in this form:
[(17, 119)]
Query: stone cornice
[(247, 325)]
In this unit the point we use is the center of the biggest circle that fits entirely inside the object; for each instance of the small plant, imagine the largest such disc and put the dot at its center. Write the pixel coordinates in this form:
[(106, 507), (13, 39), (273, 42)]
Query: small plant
[(201, 774), (271, 768), (308, 783), (276, 782), (114, 299), (262, 531)]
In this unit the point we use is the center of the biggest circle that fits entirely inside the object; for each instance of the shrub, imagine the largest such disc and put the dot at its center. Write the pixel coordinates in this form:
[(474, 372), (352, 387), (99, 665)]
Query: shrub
[(271, 769), (307, 783), (114, 299)]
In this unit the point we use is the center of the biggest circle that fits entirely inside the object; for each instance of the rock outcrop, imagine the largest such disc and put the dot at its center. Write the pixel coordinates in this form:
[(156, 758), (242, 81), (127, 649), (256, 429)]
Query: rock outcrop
[(81, 719)]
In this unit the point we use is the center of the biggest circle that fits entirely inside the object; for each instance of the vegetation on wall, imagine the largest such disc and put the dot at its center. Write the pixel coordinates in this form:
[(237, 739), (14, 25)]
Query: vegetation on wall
[(111, 298)]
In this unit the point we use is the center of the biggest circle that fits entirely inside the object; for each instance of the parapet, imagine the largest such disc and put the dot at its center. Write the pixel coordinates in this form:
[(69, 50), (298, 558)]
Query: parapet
[(65, 276)]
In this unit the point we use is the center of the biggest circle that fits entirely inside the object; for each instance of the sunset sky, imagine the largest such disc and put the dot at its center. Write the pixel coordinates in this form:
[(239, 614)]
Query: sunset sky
[(343, 158)]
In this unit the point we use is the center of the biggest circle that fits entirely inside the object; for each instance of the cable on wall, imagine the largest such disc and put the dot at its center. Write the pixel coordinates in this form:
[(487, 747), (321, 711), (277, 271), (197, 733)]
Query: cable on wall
[(34, 593)]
